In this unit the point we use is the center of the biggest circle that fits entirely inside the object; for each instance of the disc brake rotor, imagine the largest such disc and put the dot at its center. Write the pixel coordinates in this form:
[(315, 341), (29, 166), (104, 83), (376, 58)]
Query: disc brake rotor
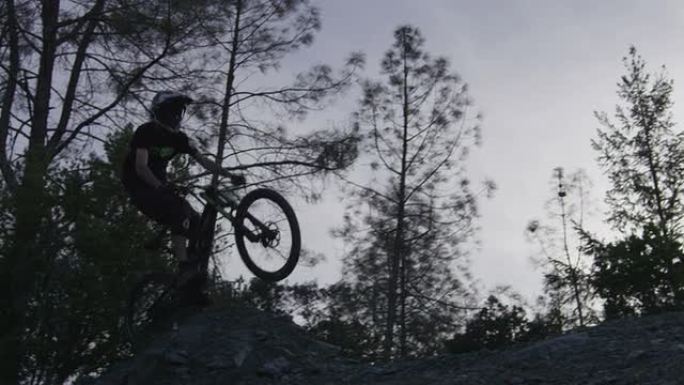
[(271, 237)]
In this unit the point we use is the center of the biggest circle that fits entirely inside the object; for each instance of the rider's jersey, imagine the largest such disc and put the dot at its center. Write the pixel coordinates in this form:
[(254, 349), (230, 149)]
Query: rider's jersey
[(162, 145)]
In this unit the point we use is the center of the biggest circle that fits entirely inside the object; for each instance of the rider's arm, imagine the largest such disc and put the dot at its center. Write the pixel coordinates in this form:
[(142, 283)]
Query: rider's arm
[(207, 163), (143, 170), (186, 146)]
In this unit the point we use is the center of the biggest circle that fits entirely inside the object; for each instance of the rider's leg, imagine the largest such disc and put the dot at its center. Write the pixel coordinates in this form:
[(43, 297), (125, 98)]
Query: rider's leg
[(173, 211), (190, 277), (180, 248), (189, 232), (185, 227)]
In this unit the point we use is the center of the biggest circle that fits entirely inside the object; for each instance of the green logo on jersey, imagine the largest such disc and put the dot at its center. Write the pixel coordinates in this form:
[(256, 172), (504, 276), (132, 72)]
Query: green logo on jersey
[(163, 152)]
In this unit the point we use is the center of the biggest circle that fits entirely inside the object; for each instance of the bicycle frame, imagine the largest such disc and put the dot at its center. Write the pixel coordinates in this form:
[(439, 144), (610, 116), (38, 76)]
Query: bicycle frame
[(222, 199)]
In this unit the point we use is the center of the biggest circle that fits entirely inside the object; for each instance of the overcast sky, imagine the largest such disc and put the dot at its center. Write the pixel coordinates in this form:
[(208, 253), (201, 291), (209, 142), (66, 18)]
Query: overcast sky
[(537, 70)]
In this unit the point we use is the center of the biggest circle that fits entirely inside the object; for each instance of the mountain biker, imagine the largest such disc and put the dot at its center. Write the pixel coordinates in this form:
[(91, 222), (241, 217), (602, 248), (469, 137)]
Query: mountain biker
[(144, 177)]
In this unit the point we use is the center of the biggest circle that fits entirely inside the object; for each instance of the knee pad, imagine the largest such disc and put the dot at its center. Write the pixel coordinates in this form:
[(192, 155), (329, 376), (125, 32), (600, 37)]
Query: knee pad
[(187, 223)]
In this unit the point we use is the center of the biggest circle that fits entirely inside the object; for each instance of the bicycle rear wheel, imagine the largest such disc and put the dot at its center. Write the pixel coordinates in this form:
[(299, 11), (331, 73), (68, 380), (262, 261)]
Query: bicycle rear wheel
[(150, 303), (267, 234)]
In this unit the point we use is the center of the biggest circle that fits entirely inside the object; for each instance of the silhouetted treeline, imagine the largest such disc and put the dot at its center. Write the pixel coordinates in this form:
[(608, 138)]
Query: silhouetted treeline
[(74, 76), (75, 72)]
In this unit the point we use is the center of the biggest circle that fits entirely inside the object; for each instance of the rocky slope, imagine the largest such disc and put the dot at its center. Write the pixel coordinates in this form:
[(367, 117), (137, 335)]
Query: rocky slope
[(243, 346)]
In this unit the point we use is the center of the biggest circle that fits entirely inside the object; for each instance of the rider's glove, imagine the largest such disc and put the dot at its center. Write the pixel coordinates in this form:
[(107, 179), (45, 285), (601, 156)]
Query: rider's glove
[(237, 179)]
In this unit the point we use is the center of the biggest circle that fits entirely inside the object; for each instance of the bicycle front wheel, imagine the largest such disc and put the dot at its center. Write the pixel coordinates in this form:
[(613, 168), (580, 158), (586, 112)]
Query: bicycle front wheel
[(267, 234)]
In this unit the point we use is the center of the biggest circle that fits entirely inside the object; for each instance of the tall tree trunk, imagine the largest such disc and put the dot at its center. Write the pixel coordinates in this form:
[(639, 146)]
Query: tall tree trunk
[(230, 79), (402, 310), (29, 206), (9, 94), (394, 259), (574, 279), (9, 356), (398, 251)]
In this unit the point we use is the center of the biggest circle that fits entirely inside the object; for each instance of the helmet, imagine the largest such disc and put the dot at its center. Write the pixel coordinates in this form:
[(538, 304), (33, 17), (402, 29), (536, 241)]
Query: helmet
[(168, 107), (170, 97)]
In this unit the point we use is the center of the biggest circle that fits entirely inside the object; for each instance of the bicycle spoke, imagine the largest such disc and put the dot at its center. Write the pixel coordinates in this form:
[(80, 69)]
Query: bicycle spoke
[(273, 255), (283, 256), (270, 244)]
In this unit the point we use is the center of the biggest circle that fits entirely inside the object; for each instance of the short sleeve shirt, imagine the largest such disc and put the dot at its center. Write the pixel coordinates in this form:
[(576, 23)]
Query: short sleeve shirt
[(162, 146)]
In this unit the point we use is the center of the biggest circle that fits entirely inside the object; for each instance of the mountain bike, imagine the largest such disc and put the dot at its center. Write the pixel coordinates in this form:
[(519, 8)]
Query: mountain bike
[(267, 238)]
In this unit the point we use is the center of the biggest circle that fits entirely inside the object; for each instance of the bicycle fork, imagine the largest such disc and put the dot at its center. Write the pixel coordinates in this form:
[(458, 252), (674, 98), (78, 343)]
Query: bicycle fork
[(222, 199)]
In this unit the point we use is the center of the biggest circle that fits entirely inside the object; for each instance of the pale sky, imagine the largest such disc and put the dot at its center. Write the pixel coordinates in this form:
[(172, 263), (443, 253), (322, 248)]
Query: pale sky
[(537, 69)]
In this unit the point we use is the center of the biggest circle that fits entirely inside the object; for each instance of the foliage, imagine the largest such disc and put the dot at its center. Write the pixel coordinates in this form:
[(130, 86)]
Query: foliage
[(97, 246), (72, 71), (243, 104), (331, 314), (641, 274), (566, 268), (498, 325), (643, 157), (266, 296), (409, 223), (66, 68)]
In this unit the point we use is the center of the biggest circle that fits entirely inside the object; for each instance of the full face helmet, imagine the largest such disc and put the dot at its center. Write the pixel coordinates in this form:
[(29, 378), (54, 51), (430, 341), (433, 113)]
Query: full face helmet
[(168, 107)]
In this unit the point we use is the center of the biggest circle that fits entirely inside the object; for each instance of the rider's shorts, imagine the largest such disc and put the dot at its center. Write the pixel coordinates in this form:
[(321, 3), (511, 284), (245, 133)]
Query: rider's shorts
[(166, 208)]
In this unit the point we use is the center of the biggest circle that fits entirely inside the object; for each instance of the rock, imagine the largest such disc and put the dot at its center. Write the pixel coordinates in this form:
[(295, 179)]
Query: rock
[(284, 317), (176, 357), (218, 362), (239, 357), (516, 381), (327, 348), (275, 368), (182, 371), (243, 346), (284, 351), (85, 380), (261, 335), (635, 355)]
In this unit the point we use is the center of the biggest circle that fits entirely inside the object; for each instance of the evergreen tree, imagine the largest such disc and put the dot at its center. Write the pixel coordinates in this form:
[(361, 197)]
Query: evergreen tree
[(640, 274), (642, 154), (73, 319), (495, 326), (498, 325), (567, 275), (409, 224), (643, 157)]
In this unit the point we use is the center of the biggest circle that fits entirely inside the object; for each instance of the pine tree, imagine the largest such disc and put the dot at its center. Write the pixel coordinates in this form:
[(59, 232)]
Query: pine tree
[(642, 155), (409, 224), (567, 274)]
